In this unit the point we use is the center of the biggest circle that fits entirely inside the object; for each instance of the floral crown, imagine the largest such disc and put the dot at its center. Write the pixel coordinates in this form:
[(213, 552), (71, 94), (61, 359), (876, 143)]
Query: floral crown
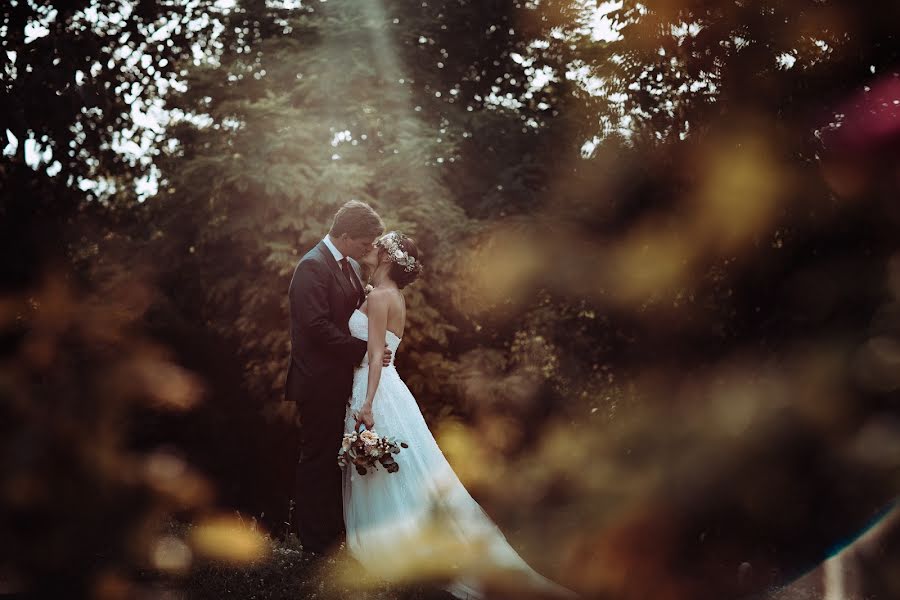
[(391, 242)]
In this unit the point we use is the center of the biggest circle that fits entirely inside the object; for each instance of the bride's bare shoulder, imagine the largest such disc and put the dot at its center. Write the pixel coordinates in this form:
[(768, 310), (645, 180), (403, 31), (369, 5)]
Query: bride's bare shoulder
[(383, 299), (389, 296)]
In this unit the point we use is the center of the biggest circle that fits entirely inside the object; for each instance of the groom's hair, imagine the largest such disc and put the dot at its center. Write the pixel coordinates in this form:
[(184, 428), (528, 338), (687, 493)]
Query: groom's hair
[(358, 220)]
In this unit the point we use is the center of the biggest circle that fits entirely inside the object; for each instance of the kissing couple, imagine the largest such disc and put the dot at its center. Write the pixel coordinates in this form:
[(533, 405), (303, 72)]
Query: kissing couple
[(342, 377)]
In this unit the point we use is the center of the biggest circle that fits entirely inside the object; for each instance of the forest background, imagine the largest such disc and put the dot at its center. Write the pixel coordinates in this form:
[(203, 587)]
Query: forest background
[(660, 305)]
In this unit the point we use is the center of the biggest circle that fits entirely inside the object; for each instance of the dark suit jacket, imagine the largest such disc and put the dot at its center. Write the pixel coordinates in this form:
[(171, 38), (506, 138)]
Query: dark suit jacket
[(323, 353)]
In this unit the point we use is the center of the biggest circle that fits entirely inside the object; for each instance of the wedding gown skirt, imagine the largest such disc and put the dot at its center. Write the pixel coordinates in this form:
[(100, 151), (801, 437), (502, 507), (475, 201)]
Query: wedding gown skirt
[(421, 515)]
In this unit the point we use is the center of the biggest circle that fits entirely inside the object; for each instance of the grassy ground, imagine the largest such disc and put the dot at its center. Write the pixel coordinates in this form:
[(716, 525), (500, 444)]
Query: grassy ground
[(287, 573)]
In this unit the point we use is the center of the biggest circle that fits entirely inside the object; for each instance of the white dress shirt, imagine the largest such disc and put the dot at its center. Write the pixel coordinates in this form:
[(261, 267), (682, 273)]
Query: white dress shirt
[(334, 251)]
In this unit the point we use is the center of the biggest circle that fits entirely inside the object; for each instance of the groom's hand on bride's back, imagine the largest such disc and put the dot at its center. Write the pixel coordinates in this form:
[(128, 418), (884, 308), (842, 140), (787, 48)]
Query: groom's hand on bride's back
[(386, 359)]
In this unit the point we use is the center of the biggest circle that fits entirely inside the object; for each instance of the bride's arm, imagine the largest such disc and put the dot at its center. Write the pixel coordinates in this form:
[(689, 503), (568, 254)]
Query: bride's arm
[(378, 315)]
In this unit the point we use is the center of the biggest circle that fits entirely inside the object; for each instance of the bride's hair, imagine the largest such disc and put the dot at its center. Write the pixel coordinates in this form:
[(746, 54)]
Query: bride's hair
[(406, 268)]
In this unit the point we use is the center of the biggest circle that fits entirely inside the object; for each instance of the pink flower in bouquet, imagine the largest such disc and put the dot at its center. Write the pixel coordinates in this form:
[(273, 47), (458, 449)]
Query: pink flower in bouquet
[(365, 451)]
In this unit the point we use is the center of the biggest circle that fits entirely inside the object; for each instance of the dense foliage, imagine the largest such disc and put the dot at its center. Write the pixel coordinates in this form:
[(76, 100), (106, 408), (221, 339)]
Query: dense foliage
[(661, 265)]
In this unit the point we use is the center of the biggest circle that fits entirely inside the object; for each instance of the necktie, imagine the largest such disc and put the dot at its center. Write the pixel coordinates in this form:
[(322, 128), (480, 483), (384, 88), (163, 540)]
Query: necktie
[(345, 267)]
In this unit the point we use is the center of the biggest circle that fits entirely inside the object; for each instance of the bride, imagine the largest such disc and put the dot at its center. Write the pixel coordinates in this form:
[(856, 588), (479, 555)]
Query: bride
[(420, 517)]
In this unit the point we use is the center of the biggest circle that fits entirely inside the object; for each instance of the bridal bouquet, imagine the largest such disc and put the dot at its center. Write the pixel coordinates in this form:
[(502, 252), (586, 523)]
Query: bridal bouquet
[(366, 449)]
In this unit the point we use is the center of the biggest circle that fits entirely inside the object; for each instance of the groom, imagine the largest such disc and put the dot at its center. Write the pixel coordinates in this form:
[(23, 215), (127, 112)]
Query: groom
[(324, 292)]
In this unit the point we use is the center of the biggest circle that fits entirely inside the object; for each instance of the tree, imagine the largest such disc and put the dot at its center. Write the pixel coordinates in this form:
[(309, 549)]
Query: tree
[(586, 285), (82, 503), (296, 128), (661, 269)]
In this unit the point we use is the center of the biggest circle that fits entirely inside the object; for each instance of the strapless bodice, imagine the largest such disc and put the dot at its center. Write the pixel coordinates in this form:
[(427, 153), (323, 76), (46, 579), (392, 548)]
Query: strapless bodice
[(359, 328)]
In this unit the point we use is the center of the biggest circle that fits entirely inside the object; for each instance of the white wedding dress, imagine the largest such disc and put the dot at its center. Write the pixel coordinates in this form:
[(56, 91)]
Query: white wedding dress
[(423, 508)]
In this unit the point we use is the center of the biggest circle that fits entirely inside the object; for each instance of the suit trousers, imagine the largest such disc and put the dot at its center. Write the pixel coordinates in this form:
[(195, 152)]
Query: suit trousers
[(319, 482)]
